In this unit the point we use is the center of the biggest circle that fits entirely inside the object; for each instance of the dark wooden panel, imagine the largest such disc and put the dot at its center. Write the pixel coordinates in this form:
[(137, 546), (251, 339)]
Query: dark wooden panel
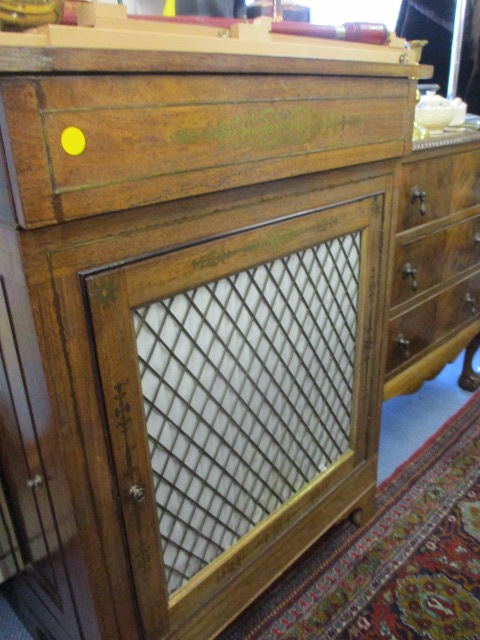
[(10, 559), (432, 321), (436, 258), (451, 183), (27, 475)]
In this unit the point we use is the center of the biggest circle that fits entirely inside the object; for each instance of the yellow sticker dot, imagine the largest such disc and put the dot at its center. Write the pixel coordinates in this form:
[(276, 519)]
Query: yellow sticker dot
[(73, 141)]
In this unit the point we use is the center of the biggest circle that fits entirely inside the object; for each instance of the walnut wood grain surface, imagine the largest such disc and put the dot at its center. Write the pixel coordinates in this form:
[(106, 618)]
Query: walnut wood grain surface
[(450, 180), (437, 237), (432, 320), (437, 258)]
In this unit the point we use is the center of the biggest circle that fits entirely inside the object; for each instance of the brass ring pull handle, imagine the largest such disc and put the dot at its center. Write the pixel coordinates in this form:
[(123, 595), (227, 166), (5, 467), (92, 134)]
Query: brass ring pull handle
[(471, 301), (137, 493), (35, 482), (416, 194), (410, 272), (404, 345), (476, 238)]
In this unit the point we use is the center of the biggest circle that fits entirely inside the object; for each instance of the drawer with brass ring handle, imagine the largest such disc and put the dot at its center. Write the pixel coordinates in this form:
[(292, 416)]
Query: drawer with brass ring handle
[(416, 194), (410, 272), (403, 344)]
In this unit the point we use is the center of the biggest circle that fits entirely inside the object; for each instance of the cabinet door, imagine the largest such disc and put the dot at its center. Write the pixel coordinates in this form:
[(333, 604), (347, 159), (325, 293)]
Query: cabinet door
[(44, 586), (10, 559), (236, 376)]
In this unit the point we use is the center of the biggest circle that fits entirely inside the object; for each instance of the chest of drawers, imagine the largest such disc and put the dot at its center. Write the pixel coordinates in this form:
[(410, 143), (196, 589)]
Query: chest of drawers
[(435, 294)]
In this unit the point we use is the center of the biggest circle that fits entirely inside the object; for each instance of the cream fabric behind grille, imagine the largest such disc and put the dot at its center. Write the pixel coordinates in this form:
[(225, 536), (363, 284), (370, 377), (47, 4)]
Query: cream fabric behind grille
[(247, 385)]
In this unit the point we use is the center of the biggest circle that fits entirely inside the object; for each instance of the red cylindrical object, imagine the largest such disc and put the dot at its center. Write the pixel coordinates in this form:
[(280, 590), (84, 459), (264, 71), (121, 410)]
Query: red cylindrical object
[(304, 29), (367, 32), (370, 33)]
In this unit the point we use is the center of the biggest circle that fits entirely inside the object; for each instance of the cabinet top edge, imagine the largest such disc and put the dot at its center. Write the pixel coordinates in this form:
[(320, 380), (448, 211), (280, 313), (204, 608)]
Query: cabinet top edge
[(21, 60), (451, 139)]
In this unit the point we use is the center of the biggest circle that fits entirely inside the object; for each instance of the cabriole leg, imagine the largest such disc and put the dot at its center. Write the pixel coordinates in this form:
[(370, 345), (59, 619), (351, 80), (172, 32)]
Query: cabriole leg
[(469, 379)]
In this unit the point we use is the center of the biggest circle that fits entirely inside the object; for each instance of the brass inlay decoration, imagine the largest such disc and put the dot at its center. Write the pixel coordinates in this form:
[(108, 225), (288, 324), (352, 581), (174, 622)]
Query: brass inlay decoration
[(102, 291), (269, 128), (274, 242), (123, 422)]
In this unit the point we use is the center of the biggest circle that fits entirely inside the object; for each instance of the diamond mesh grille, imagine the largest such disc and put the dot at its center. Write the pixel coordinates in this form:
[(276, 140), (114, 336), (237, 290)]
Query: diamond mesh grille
[(247, 387)]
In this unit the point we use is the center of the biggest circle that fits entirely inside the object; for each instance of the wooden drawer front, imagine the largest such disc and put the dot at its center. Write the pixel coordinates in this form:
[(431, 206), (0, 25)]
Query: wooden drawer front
[(433, 320), (451, 183), (151, 139), (435, 258)]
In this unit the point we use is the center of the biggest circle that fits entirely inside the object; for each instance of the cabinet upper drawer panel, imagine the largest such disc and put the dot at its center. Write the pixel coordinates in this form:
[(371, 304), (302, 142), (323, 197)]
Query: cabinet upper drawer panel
[(449, 183), (163, 138), (434, 259)]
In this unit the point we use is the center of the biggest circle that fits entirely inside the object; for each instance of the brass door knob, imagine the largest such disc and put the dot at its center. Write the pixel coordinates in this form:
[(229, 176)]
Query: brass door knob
[(137, 493)]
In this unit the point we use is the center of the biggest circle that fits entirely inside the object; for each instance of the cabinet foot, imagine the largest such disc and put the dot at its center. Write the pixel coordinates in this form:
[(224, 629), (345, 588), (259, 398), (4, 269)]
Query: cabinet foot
[(469, 379), (358, 517), (364, 510)]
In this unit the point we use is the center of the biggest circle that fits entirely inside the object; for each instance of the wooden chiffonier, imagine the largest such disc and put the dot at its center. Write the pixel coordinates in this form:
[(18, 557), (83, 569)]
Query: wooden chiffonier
[(435, 299), (194, 259)]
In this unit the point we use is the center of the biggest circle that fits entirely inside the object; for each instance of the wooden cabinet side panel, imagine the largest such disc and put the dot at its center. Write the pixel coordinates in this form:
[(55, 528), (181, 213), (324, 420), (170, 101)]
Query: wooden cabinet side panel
[(59, 315), (31, 462)]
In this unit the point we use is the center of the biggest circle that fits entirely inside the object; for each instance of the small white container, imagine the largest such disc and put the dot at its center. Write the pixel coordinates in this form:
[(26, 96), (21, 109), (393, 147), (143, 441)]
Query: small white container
[(434, 112)]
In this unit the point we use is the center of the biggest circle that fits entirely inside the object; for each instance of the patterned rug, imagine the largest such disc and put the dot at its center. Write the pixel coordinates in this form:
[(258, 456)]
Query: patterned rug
[(412, 572)]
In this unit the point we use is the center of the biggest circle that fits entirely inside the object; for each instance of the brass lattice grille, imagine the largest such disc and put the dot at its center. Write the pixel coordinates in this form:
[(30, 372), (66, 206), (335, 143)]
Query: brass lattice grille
[(247, 384)]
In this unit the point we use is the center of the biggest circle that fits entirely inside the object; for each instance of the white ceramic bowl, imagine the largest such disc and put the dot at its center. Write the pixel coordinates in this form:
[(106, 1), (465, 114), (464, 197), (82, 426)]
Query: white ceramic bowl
[(434, 112)]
